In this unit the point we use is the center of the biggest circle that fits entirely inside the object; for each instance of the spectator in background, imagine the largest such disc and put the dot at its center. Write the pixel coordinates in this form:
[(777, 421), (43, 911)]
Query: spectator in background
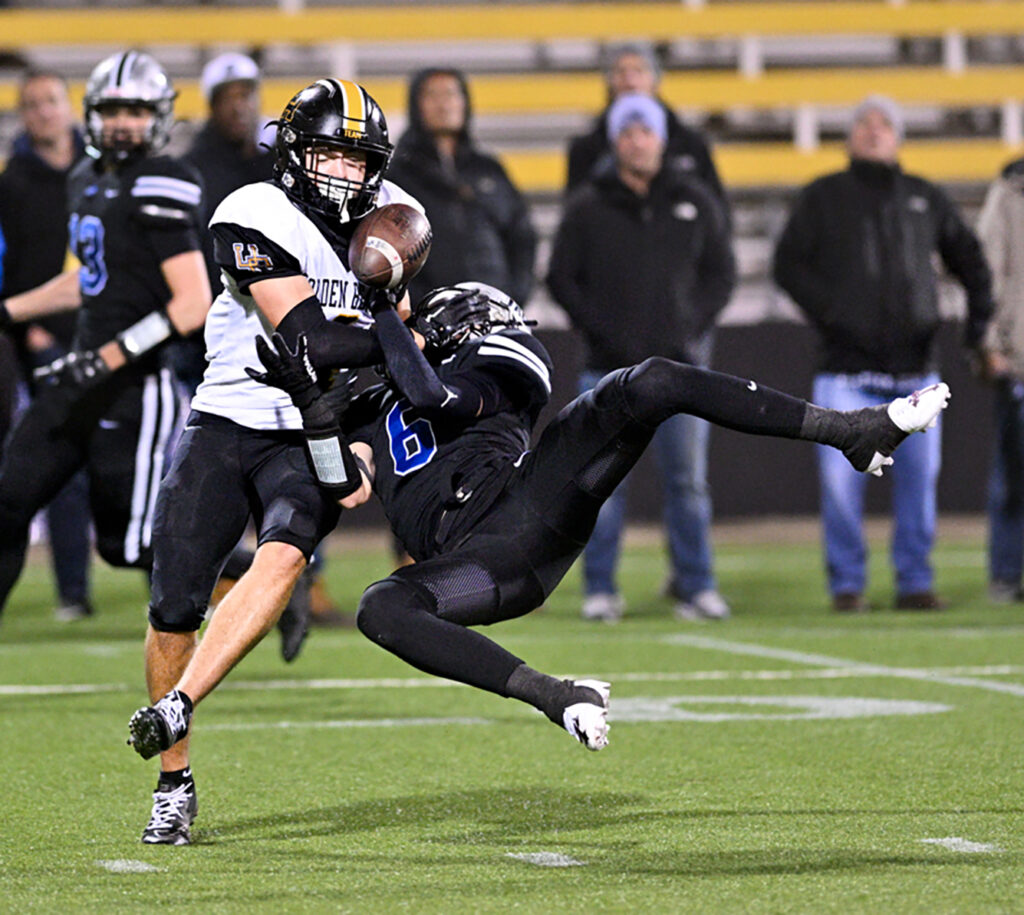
[(856, 257), (480, 221), (633, 69), (226, 155), (646, 230), (1001, 229), (33, 219)]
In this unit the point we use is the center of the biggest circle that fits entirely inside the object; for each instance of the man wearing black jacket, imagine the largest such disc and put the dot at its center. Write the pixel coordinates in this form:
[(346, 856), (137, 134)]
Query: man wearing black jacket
[(856, 257), (33, 219), (633, 68), (480, 221), (643, 231)]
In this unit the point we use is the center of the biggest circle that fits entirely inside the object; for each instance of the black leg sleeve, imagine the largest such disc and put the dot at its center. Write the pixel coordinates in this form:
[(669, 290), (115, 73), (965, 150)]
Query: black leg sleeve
[(402, 619), (659, 388)]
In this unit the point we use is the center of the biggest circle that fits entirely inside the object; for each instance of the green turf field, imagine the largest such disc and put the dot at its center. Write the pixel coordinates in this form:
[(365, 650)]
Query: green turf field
[(788, 760)]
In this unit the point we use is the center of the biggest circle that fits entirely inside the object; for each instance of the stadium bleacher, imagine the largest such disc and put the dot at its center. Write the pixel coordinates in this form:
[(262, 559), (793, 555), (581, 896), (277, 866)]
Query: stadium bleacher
[(772, 82)]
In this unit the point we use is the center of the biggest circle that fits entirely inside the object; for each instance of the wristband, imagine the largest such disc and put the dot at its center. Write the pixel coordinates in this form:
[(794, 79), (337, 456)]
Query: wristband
[(143, 335), (334, 464)]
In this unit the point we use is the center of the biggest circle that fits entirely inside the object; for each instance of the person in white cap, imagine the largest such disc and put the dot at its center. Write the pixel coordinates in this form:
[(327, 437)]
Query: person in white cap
[(225, 151), (857, 258)]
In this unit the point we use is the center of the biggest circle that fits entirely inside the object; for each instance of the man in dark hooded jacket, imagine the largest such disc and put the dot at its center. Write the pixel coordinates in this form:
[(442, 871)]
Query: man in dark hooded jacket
[(33, 220), (480, 220)]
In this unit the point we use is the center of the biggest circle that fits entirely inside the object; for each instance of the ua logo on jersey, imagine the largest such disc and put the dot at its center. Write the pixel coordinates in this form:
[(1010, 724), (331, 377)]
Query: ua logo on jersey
[(253, 260)]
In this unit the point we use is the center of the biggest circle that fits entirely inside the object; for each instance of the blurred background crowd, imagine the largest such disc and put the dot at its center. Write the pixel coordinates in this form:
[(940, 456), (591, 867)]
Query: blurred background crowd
[(820, 196)]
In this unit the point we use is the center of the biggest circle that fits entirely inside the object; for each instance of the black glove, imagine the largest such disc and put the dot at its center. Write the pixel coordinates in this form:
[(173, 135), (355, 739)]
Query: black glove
[(378, 300), (82, 368), (450, 323), (327, 449), (292, 372)]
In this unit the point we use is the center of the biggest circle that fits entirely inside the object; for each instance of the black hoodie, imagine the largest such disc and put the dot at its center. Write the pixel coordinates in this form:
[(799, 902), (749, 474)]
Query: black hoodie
[(481, 223), (642, 276), (34, 219)]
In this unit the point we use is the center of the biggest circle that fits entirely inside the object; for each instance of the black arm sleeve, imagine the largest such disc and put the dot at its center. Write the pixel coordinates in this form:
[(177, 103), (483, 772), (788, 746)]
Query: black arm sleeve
[(416, 378), (331, 344)]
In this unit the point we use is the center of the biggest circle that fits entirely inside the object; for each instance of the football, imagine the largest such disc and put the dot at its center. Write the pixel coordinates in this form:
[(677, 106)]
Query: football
[(389, 246)]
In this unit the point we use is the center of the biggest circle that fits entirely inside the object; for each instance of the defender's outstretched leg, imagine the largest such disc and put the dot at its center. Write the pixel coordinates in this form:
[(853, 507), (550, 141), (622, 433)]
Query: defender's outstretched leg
[(406, 615)]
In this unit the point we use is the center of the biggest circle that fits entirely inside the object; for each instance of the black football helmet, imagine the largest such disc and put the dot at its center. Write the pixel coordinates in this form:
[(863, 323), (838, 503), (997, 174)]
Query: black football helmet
[(127, 78), (333, 113), (452, 315)]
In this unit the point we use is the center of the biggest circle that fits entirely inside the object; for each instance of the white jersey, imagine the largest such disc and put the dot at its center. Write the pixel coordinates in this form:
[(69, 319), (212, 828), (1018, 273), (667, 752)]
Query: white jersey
[(259, 234)]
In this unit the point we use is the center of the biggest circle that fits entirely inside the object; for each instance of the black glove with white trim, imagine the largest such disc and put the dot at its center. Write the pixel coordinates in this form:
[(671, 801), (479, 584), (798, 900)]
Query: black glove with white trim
[(81, 368), (328, 450)]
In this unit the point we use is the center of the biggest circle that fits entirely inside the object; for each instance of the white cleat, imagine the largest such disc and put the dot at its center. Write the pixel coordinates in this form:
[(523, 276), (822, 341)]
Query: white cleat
[(916, 412), (920, 410), (588, 722)]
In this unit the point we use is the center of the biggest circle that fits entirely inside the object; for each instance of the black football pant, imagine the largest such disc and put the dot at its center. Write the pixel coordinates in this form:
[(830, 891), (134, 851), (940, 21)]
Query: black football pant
[(222, 475), (120, 431), (519, 551)]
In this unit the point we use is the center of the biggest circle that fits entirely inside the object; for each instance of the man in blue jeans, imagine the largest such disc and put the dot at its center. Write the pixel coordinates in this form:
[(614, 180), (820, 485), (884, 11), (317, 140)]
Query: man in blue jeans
[(643, 230), (856, 257)]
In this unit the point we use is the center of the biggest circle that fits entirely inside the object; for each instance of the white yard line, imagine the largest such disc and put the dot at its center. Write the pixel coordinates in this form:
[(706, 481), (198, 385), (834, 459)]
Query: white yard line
[(849, 670), (545, 859), (800, 657), (956, 843)]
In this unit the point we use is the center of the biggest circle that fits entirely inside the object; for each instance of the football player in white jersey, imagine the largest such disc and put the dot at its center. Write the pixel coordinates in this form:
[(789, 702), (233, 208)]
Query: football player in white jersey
[(282, 248)]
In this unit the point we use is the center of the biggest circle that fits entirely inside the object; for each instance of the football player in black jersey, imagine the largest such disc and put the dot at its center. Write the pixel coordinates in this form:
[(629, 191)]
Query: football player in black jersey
[(111, 406), (493, 526)]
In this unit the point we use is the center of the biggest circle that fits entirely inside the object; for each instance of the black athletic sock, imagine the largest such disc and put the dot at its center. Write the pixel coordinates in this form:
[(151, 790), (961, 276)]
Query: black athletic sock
[(857, 433), (176, 778), (546, 693)]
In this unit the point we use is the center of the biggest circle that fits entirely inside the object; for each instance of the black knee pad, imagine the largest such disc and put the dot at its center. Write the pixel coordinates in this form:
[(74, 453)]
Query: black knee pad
[(288, 521), (180, 592), (177, 617), (653, 389), (385, 608)]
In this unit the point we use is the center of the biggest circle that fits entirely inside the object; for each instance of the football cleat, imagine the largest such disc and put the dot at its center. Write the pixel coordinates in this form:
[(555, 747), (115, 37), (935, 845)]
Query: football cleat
[(586, 718), (879, 430), (293, 624), (159, 727), (174, 809)]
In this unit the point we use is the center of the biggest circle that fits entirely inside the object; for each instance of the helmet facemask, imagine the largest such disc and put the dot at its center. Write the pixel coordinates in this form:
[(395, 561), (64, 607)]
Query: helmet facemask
[(132, 80), (337, 116), (453, 315)]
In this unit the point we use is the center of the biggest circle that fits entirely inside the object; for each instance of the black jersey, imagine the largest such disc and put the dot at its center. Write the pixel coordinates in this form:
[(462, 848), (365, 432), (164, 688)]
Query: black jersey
[(123, 224), (429, 463)]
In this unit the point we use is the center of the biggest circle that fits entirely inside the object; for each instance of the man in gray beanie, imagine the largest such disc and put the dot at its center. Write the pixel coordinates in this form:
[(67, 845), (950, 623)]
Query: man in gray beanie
[(644, 230), (633, 68), (856, 257)]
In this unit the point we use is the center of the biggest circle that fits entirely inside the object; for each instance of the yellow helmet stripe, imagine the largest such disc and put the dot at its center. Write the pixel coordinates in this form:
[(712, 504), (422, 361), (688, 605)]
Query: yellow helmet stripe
[(355, 106)]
